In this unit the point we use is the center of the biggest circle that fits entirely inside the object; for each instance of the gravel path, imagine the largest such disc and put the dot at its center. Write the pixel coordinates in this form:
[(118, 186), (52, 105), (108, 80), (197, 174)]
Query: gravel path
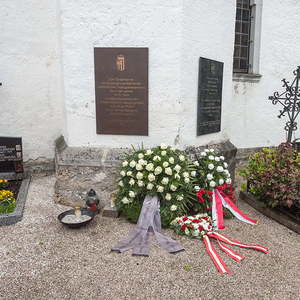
[(41, 259)]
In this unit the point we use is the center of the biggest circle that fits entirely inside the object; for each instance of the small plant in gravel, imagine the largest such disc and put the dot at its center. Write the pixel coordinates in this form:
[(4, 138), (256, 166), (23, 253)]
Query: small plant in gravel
[(273, 176)]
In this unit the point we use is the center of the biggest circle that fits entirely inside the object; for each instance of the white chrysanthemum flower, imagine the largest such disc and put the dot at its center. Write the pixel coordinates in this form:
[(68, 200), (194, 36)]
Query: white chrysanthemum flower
[(131, 194), (163, 146), (225, 165), (206, 150), (129, 173), (211, 150), (197, 188), (150, 167), (168, 197), (149, 152), (121, 183), (122, 173), (228, 180), (125, 163), (220, 169), (173, 149), (171, 160), (165, 164), (139, 167), (168, 171), (160, 188), (177, 176), (203, 154), (139, 175), (131, 181), (196, 232), (177, 168), (150, 186), (125, 200), (173, 207), (140, 155), (179, 197), (165, 180), (181, 157), (221, 181), (185, 174), (141, 183), (209, 176), (222, 157), (217, 158), (158, 170), (163, 153), (196, 163), (151, 177), (211, 157), (212, 184), (186, 180), (156, 158), (132, 164), (141, 162), (211, 166), (193, 173), (173, 188)]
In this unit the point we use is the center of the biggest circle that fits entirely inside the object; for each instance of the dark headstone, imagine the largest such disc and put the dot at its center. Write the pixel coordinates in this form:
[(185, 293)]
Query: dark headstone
[(11, 158), (209, 96), (121, 84)]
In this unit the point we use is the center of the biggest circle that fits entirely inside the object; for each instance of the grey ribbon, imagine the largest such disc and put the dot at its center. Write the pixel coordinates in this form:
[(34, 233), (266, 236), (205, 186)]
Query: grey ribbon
[(149, 222)]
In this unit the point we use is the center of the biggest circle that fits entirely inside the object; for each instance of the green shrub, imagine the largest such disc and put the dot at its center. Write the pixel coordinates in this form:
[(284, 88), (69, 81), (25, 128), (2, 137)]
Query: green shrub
[(273, 175)]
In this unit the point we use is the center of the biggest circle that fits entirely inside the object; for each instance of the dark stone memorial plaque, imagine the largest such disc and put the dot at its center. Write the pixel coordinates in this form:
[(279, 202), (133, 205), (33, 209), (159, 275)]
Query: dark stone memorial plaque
[(11, 157), (121, 84), (209, 96)]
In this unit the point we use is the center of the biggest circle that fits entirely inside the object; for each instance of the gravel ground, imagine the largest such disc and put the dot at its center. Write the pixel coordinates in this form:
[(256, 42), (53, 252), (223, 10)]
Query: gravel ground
[(41, 259)]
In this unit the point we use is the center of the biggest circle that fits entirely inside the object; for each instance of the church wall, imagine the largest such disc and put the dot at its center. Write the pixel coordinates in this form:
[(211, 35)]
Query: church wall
[(30, 95)]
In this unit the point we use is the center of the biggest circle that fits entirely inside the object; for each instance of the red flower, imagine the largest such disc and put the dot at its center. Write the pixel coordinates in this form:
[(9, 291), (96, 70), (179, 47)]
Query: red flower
[(200, 194), (183, 227), (196, 221), (185, 219), (200, 227)]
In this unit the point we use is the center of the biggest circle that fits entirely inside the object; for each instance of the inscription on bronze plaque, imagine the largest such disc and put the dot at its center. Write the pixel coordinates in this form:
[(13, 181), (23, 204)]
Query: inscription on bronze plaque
[(121, 83), (209, 96)]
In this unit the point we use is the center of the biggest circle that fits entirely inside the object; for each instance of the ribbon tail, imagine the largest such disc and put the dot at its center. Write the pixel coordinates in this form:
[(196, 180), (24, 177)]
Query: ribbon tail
[(226, 240), (217, 211), (227, 203), (220, 265), (230, 252)]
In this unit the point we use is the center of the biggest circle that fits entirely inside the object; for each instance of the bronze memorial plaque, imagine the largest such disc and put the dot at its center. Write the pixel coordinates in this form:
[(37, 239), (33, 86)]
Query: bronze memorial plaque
[(121, 83)]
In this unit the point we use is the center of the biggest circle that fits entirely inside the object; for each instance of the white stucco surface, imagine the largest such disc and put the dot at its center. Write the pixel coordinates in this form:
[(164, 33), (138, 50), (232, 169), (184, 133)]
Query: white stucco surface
[(254, 121), (30, 95), (47, 69)]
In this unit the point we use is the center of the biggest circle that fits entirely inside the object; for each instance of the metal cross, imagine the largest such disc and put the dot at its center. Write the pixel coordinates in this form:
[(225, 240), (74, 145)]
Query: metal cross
[(290, 100)]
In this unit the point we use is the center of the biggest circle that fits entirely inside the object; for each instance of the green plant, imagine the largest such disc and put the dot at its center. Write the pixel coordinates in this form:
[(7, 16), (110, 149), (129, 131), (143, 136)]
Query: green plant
[(7, 202), (273, 175)]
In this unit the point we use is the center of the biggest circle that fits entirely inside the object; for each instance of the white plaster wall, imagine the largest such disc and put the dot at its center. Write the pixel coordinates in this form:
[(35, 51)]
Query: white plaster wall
[(208, 31), (254, 119), (120, 23), (30, 97)]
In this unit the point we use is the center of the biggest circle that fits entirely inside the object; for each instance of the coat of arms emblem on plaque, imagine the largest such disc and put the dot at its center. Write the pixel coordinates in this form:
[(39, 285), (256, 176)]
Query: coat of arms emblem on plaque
[(120, 62)]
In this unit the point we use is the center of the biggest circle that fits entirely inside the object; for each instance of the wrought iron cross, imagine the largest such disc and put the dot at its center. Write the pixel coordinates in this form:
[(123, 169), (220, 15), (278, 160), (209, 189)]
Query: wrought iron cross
[(290, 100)]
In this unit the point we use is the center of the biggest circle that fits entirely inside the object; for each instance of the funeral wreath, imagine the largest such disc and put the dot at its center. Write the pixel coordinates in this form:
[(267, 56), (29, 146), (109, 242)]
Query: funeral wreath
[(163, 171)]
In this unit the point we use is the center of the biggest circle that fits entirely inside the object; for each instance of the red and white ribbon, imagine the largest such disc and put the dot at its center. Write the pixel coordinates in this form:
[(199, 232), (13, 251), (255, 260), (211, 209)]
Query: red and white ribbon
[(219, 199), (217, 260)]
